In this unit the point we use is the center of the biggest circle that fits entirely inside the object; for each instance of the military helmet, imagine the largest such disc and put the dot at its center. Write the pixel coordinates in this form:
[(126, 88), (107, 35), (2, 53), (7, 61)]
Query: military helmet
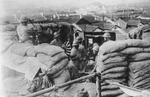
[(95, 44), (106, 34), (23, 19)]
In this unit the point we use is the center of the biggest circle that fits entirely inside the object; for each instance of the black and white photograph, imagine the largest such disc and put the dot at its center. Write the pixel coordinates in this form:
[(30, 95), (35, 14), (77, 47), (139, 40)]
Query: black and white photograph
[(74, 48)]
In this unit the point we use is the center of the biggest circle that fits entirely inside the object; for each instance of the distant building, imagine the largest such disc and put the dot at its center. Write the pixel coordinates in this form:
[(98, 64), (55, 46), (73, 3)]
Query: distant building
[(133, 23), (106, 26), (87, 19), (127, 13), (145, 21), (90, 28), (83, 21), (121, 23), (37, 18), (121, 35), (145, 16), (98, 30)]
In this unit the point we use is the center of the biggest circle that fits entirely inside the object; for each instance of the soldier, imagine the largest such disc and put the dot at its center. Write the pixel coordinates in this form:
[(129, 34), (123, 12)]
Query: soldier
[(82, 51), (24, 31), (78, 54), (95, 50), (91, 62), (56, 41), (81, 48), (75, 50), (107, 36), (75, 64)]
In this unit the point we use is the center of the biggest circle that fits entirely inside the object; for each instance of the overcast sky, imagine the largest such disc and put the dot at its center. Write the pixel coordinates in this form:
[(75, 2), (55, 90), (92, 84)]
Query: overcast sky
[(60, 3), (16, 4)]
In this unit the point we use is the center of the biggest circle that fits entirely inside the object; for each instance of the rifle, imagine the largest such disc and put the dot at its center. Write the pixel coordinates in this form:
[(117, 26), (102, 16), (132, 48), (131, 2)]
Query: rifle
[(61, 85)]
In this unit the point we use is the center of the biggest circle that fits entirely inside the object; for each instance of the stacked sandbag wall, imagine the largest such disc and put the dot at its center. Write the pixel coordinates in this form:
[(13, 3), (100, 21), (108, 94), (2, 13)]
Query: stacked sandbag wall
[(51, 58), (139, 66), (127, 62)]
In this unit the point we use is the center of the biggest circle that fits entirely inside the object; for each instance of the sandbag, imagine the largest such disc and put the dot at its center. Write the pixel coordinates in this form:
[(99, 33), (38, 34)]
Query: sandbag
[(141, 79), (55, 63), (111, 93), (141, 73), (139, 66), (23, 56), (109, 87), (146, 49), (135, 50), (126, 61), (132, 50), (61, 78), (114, 76), (137, 43), (139, 57), (133, 81), (48, 49), (138, 76), (53, 57), (49, 60), (111, 46), (114, 65), (21, 48), (111, 55), (136, 66), (103, 83), (116, 46), (143, 82), (119, 80), (115, 60), (115, 70), (56, 70)]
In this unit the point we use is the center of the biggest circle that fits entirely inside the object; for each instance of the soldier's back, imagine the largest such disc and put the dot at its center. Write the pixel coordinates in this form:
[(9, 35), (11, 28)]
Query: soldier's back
[(24, 33)]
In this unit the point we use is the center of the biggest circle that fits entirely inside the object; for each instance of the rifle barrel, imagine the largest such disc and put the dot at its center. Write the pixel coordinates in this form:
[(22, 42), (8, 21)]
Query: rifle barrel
[(61, 85)]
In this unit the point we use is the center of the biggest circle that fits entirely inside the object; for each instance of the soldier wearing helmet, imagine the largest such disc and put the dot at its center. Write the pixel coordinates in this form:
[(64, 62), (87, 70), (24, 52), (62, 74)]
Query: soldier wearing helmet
[(107, 36), (24, 20), (81, 48), (56, 41), (78, 53), (24, 31), (91, 66), (95, 49)]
